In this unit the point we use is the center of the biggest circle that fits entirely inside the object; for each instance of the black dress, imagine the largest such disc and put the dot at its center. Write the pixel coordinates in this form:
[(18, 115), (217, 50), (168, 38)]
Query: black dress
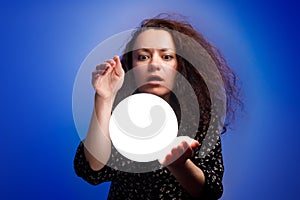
[(157, 184)]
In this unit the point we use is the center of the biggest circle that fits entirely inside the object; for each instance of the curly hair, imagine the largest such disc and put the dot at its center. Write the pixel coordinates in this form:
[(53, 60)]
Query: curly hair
[(193, 46)]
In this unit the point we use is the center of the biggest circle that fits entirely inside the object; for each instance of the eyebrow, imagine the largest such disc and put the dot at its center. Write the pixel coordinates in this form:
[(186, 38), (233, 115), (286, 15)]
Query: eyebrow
[(149, 49)]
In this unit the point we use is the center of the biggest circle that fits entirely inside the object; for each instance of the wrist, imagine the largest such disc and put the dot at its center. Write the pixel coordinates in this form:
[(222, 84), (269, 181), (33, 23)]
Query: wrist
[(103, 105), (177, 165), (104, 100)]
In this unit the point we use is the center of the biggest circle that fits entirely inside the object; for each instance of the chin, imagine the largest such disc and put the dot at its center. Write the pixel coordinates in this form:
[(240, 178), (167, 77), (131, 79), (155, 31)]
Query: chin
[(161, 92)]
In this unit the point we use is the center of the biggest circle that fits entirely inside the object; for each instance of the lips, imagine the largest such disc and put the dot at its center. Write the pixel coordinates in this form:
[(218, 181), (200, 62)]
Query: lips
[(154, 78)]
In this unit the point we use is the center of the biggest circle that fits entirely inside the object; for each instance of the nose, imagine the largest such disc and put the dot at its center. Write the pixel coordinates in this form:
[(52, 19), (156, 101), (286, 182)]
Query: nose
[(155, 63)]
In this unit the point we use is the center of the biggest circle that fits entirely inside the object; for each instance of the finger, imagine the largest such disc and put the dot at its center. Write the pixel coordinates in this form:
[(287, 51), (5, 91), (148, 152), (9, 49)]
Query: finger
[(111, 62), (107, 70), (102, 66), (102, 70), (185, 145), (97, 73), (194, 144), (175, 153), (118, 67), (98, 76), (182, 148), (167, 160), (188, 151), (179, 151)]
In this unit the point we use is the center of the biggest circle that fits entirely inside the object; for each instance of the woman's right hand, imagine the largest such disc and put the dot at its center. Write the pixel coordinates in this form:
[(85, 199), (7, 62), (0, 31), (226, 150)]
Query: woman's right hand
[(108, 78)]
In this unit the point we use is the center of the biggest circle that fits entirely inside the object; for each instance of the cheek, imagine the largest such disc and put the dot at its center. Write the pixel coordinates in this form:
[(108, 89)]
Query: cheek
[(173, 65), (171, 77), (171, 70), (176, 65), (134, 63), (139, 74)]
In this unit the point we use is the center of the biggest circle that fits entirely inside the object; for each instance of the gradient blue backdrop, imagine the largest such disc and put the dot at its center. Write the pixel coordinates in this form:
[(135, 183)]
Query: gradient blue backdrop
[(44, 43)]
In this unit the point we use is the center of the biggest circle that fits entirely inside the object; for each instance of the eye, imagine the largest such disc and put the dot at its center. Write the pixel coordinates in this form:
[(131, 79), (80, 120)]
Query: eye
[(167, 57), (143, 57)]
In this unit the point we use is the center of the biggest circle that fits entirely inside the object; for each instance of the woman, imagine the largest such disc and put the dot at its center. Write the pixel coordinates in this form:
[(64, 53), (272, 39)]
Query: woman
[(156, 53)]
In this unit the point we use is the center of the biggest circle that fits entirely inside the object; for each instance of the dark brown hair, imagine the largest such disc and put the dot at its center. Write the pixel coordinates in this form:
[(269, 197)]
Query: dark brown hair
[(190, 72)]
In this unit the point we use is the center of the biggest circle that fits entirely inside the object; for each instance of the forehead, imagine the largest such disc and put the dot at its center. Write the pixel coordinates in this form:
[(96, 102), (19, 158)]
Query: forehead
[(157, 39)]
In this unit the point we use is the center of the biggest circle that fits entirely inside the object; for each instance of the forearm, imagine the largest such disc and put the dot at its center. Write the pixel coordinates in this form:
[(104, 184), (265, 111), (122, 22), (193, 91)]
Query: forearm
[(97, 143), (190, 177)]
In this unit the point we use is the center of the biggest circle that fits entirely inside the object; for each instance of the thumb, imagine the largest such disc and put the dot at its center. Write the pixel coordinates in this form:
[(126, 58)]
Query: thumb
[(194, 144), (118, 68)]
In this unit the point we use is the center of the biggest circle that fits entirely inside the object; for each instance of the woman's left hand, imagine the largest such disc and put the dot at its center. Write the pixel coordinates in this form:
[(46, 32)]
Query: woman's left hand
[(181, 149)]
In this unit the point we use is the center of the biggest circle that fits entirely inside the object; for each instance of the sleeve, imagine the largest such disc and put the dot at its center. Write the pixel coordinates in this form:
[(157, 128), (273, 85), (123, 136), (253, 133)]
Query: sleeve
[(212, 166), (83, 169)]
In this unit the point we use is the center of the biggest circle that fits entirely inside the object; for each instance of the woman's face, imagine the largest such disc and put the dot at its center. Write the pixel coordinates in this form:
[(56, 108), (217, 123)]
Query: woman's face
[(155, 62)]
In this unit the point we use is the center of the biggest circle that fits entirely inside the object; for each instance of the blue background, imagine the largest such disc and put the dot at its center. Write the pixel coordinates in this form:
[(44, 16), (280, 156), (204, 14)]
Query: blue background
[(44, 43)]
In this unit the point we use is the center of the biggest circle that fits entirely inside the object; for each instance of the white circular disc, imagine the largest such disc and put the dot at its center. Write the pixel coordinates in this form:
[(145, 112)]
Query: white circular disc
[(141, 126)]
